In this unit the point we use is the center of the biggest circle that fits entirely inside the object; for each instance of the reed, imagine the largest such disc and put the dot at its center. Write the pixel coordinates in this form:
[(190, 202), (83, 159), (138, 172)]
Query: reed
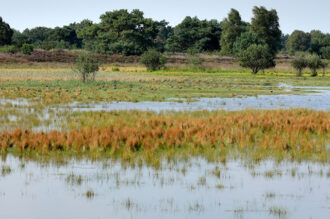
[(292, 134)]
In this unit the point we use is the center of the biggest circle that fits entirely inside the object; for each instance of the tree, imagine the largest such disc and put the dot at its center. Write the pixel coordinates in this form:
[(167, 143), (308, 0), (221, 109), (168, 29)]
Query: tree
[(245, 41), (122, 32), (324, 65), (256, 57), (314, 62), (18, 39), (5, 33), (27, 49), (232, 27), (325, 52), (298, 41), (266, 25), (299, 64), (153, 60), (195, 34), (86, 66)]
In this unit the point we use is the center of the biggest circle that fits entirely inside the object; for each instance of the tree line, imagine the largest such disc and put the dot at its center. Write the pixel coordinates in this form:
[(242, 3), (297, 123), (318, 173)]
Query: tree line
[(130, 33)]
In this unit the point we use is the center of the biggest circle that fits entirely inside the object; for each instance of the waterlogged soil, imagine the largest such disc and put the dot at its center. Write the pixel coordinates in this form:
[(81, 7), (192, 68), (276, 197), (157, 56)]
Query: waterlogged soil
[(184, 189)]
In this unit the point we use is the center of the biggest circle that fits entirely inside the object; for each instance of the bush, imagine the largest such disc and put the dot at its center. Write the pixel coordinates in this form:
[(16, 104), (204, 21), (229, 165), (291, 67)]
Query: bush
[(299, 64), (27, 49), (153, 60), (314, 62), (195, 62), (256, 57), (9, 49), (86, 66)]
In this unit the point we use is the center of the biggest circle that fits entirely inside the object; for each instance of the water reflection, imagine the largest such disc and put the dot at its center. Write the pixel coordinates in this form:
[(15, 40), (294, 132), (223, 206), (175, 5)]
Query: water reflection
[(190, 189)]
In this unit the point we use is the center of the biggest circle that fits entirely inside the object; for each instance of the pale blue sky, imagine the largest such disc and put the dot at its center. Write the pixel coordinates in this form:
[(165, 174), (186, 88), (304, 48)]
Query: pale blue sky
[(294, 14)]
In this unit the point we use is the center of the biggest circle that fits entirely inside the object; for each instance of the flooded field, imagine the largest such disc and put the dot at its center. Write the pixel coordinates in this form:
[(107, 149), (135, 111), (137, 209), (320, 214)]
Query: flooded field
[(184, 189)]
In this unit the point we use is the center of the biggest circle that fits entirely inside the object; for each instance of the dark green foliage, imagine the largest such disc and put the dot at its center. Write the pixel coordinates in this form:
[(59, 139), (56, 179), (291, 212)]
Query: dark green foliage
[(284, 39), (325, 52), (18, 39), (324, 65), (314, 62), (192, 33), (86, 66), (5, 33), (153, 60), (232, 27), (164, 32), (299, 64), (266, 25), (9, 49), (256, 57), (298, 41), (245, 41), (27, 49), (121, 32)]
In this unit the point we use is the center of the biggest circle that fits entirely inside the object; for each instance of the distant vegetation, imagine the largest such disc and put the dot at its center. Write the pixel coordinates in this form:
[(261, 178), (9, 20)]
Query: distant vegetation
[(129, 33)]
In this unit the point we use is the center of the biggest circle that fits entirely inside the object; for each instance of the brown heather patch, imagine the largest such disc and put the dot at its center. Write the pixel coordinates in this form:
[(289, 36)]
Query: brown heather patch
[(297, 133)]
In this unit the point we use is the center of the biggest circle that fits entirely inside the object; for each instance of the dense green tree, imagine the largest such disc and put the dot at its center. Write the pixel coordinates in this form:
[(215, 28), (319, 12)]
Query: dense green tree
[(245, 41), (123, 32), (5, 33), (18, 39), (65, 37), (87, 31), (299, 64), (325, 52), (232, 27), (192, 33), (256, 57), (284, 39), (298, 41), (27, 49), (37, 34), (314, 62), (266, 25)]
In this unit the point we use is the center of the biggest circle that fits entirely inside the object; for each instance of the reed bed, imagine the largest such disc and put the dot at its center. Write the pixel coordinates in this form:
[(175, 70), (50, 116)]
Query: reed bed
[(293, 134)]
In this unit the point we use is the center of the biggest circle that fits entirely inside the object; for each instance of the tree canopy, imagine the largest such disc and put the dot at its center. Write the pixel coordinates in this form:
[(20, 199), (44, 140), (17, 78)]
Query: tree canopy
[(266, 25), (232, 27), (192, 33), (5, 33)]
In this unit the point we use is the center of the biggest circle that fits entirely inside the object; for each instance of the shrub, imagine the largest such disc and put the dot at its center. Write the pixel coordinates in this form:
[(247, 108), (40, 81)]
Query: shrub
[(299, 64), (256, 57), (86, 66), (153, 60), (314, 62), (27, 49), (9, 49), (195, 62)]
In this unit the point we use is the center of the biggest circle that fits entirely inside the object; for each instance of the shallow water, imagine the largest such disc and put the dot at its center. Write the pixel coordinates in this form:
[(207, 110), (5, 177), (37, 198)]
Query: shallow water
[(191, 189), (320, 100)]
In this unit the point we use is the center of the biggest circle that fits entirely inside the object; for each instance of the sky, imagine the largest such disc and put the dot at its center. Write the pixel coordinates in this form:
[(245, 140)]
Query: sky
[(303, 15)]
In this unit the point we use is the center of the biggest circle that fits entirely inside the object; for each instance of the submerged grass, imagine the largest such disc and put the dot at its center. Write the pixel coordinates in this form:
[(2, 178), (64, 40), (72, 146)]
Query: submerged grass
[(281, 134)]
